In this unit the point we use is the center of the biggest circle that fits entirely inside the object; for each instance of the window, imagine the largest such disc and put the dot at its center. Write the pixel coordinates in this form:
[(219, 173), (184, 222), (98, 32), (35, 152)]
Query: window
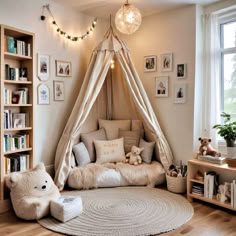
[(228, 67)]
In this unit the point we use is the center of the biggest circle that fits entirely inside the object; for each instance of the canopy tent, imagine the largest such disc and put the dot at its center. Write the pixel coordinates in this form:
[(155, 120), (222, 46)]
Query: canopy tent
[(93, 84)]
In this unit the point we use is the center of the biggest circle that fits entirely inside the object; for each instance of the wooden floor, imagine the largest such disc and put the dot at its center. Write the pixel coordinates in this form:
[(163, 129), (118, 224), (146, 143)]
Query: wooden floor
[(208, 220)]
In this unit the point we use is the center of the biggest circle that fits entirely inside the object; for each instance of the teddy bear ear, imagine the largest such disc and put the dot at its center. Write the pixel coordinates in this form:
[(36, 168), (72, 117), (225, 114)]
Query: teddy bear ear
[(40, 166), (200, 139), (209, 140), (141, 149), (11, 180)]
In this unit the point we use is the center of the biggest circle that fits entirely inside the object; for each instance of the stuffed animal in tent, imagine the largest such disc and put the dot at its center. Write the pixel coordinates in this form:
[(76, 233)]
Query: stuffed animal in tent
[(206, 148), (31, 192), (134, 157)]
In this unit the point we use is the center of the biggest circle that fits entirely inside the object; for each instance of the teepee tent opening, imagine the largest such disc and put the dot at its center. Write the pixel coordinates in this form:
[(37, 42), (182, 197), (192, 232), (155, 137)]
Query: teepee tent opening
[(111, 95)]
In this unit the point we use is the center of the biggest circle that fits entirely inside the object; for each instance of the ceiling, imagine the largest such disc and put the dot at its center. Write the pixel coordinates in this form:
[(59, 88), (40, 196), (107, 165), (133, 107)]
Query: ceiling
[(105, 8)]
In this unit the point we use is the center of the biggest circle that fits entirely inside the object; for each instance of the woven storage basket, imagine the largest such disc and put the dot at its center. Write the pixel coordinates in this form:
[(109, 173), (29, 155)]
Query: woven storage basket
[(176, 184)]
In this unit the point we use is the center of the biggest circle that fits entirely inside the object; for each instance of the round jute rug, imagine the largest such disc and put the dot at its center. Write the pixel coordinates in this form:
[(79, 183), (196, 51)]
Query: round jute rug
[(124, 211)]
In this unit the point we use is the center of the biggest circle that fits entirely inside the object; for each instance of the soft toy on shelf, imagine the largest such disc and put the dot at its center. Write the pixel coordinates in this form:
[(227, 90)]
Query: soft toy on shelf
[(206, 148), (224, 192), (31, 192), (134, 157)]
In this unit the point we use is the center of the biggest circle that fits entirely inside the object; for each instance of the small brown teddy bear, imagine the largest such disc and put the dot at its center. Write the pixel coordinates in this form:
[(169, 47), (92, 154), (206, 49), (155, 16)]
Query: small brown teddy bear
[(134, 157), (207, 149)]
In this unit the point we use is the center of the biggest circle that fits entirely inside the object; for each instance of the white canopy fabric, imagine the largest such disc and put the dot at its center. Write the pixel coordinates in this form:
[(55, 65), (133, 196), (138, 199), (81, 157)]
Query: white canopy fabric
[(93, 83)]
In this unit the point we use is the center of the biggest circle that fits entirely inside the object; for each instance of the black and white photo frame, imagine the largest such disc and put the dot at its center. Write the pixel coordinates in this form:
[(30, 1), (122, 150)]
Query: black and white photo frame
[(180, 93), (150, 63), (181, 70), (166, 62), (162, 86)]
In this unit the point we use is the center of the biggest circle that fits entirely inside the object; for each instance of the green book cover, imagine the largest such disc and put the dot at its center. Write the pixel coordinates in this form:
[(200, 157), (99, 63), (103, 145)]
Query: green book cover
[(11, 44)]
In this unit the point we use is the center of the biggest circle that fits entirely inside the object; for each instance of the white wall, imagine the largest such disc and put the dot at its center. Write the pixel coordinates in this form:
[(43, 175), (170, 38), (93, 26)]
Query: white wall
[(169, 32), (50, 119)]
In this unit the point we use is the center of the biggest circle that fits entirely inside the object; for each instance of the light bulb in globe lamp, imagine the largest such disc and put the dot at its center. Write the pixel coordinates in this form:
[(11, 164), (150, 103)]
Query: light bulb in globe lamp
[(128, 19)]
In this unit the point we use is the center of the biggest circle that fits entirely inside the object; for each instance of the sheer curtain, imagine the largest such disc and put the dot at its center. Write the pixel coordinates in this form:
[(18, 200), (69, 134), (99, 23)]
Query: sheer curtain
[(207, 91)]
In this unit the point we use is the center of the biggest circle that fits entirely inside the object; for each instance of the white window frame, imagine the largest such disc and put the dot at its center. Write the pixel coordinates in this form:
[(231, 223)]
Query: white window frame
[(224, 18)]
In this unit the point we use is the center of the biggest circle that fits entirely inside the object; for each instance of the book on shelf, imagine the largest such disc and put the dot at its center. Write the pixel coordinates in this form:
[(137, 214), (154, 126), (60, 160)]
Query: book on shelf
[(211, 183), (16, 162), (7, 96), (10, 44), (233, 194), (7, 124)]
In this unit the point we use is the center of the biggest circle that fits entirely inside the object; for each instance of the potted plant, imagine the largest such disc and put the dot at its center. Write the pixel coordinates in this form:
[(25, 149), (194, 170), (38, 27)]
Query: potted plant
[(227, 130)]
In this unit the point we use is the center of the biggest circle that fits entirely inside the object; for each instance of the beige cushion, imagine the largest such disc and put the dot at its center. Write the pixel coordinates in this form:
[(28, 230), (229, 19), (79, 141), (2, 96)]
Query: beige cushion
[(110, 151), (138, 125), (112, 127), (88, 139), (131, 138), (81, 154), (146, 154)]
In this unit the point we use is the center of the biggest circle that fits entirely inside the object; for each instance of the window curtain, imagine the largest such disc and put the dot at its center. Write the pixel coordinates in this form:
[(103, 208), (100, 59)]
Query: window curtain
[(207, 90)]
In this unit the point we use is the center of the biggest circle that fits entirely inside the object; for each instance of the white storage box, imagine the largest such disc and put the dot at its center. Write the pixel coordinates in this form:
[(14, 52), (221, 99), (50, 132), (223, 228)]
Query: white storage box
[(66, 208)]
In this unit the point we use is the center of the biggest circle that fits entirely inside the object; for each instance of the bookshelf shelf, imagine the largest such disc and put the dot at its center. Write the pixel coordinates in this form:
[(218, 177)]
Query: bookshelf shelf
[(17, 129), (16, 62), (197, 181), (17, 82), (193, 167), (18, 105), (17, 151), (15, 56)]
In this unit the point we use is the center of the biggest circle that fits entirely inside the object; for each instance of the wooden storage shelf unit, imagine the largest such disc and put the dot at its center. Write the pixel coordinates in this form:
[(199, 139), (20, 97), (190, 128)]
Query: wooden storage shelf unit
[(226, 174), (17, 74)]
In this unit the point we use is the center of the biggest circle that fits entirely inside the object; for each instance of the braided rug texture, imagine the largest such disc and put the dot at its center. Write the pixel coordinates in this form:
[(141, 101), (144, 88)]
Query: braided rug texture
[(124, 211)]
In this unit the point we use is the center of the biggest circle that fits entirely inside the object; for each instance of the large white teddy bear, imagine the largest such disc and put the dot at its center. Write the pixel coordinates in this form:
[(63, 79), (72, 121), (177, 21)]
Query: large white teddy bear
[(31, 192)]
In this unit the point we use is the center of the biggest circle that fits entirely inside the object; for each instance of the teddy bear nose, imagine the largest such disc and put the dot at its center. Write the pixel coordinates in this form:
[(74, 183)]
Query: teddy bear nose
[(44, 186)]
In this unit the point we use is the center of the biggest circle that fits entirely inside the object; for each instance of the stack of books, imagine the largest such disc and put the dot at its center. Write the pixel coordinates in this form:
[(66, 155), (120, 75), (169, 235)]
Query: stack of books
[(198, 189), (214, 160)]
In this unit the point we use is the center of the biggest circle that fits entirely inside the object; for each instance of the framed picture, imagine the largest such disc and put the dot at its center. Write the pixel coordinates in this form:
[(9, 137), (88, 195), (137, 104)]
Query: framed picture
[(43, 67), (166, 62), (180, 93), (162, 86), (58, 90), (181, 71), (63, 68), (43, 94), (150, 63)]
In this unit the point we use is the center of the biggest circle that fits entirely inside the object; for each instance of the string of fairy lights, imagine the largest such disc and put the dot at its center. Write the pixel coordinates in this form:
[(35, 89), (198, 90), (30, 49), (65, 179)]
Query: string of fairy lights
[(63, 32)]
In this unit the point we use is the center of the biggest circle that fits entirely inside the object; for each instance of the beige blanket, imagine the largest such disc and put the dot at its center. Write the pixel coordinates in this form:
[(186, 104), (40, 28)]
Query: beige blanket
[(86, 177)]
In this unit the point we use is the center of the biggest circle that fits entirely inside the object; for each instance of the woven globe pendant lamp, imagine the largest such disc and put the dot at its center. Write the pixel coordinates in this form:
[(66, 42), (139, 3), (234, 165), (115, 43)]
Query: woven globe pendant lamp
[(128, 19)]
